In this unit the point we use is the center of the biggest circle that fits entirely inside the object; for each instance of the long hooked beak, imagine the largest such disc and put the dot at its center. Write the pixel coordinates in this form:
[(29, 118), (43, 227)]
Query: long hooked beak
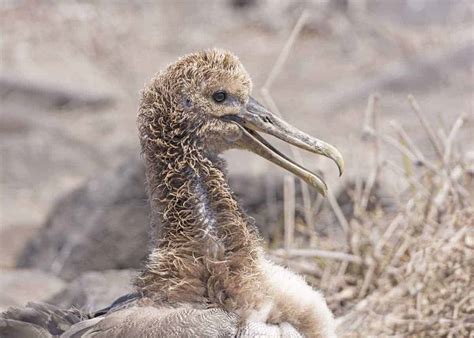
[(254, 117)]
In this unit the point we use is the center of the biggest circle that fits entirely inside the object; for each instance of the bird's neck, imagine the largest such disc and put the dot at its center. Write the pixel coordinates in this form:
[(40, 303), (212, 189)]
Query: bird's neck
[(202, 231), (192, 202)]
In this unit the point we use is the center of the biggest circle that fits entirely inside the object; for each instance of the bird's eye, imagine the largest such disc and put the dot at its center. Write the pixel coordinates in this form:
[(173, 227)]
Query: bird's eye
[(219, 96)]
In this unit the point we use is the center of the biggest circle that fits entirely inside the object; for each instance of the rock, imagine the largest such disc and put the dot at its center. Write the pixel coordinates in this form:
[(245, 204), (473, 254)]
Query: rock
[(27, 285), (95, 290), (101, 225)]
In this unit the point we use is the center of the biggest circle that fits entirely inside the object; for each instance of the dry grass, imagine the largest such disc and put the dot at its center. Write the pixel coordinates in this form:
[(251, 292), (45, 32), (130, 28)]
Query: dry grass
[(417, 276), (406, 269)]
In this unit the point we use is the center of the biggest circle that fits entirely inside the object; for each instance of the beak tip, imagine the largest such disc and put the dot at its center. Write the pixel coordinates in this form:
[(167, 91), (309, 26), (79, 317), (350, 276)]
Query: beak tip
[(334, 154), (320, 186), (340, 163), (341, 169)]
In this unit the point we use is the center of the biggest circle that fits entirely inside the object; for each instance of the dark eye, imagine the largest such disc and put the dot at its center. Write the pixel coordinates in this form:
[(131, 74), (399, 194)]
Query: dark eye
[(219, 96)]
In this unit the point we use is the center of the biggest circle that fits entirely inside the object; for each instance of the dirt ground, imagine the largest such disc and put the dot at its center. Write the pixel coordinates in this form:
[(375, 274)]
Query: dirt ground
[(70, 76)]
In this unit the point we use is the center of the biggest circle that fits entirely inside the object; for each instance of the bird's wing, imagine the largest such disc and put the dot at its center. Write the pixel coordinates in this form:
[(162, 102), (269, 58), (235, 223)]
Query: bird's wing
[(10, 328), (124, 318), (183, 322), (149, 321), (37, 319)]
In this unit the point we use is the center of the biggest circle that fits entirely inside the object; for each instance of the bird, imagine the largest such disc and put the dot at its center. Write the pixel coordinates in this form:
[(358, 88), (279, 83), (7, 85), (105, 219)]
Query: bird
[(207, 274)]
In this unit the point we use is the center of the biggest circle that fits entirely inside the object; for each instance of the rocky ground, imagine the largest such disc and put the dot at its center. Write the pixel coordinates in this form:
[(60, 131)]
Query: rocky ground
[(70, 75)]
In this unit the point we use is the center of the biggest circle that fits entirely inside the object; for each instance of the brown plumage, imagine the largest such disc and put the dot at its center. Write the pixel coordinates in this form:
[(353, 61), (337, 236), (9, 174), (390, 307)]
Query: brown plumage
[(209, 252), (207, 274)]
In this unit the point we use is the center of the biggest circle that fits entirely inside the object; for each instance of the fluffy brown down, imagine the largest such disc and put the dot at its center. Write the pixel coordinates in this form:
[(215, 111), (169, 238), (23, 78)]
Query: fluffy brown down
[(207, 250)]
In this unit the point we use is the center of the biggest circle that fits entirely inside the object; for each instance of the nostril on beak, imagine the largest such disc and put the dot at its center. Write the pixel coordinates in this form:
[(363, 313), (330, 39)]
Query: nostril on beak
[(265, 119), (268, 119)]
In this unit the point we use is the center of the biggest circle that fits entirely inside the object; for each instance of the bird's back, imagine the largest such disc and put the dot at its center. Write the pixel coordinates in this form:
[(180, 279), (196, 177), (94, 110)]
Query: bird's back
[(129, 316)]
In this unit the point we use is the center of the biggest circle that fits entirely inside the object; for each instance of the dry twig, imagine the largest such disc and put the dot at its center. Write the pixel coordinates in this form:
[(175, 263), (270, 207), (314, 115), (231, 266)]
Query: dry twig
[(311, 253), (265, 91), (289, 211)]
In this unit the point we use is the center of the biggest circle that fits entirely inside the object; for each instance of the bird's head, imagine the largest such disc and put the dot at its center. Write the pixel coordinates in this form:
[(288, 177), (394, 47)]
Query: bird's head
[(205, 98)]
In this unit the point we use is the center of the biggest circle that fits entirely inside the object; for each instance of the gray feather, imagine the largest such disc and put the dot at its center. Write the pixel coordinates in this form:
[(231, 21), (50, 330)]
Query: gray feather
[(48, 317), (158, 322), (10, 328)]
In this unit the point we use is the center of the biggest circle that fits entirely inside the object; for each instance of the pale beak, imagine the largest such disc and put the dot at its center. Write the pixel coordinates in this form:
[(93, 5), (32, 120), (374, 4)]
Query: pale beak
[(255, 118)]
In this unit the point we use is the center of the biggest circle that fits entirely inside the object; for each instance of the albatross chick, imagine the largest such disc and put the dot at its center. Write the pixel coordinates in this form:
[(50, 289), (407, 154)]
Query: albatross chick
[(209, 253)]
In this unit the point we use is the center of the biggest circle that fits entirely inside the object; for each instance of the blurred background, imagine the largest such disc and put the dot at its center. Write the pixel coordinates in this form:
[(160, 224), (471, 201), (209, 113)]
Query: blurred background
[(72, 186)]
